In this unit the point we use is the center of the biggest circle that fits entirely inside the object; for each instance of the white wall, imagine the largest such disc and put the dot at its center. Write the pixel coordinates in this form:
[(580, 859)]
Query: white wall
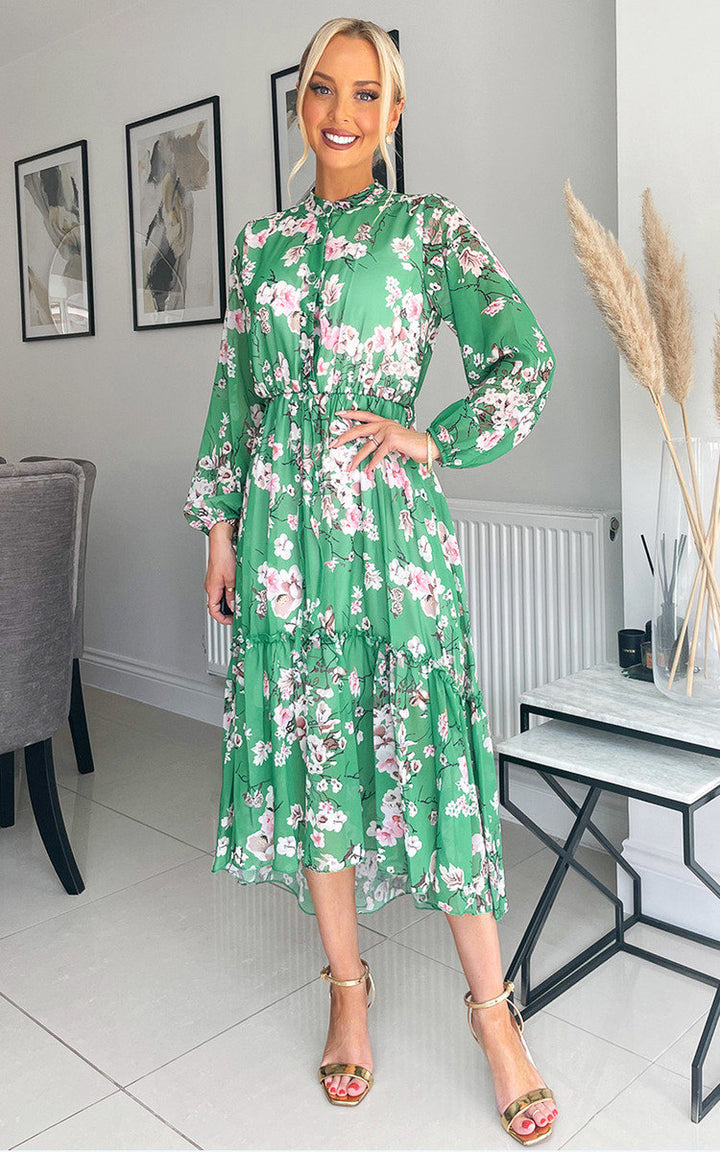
[(668, 89), (505, 101)]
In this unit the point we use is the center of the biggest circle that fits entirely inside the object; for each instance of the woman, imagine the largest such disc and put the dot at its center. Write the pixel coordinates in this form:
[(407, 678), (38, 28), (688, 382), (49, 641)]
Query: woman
[(357, 757)]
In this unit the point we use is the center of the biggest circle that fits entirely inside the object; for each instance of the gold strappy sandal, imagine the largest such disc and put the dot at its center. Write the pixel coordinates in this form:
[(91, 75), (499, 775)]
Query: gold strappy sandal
[(528, 1098), (326, 1070)]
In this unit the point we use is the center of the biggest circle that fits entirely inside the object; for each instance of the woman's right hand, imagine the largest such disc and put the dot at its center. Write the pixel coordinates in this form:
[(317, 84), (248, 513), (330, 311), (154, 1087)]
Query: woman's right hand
[(222, 565)]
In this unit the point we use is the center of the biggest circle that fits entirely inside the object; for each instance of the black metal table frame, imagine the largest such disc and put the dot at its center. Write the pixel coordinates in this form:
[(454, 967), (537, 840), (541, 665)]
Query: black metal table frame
[(613, 941)]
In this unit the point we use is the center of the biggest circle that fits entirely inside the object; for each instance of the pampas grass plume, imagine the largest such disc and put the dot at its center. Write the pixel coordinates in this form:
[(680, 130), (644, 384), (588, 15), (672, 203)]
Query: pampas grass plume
[(619, 293), (669, 299)]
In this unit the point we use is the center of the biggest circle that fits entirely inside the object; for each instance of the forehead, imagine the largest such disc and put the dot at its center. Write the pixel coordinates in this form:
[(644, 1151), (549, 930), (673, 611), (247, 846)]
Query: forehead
[(350, 55)]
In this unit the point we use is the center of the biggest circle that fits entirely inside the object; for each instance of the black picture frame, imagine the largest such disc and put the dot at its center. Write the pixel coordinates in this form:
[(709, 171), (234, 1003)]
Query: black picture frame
[(52, 203), (176, 217), (288, 143)]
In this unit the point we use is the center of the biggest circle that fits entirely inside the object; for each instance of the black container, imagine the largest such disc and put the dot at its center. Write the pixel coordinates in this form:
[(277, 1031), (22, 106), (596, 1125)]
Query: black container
[(629, 641)]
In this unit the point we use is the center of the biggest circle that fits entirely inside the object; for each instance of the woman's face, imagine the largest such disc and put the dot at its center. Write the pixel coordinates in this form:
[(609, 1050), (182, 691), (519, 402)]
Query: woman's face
[(342, 100)]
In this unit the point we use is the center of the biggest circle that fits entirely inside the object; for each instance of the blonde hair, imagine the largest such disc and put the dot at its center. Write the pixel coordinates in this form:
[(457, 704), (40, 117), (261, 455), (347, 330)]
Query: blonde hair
[(392, 75)]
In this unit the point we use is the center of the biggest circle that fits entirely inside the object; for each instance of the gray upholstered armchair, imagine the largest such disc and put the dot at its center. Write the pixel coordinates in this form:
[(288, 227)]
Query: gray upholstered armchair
[(40, 529), (77, 717)]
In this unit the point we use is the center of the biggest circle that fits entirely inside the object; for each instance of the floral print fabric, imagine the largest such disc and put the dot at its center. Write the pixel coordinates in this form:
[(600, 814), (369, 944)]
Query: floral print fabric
[(354, 726)]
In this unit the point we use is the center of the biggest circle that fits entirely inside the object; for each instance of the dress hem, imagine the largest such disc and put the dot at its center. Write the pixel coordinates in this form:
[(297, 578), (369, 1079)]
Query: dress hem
[(289, 882)]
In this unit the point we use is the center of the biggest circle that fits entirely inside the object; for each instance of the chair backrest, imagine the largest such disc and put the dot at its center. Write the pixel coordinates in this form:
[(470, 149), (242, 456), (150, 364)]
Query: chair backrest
[(40, 529), (90, 473)]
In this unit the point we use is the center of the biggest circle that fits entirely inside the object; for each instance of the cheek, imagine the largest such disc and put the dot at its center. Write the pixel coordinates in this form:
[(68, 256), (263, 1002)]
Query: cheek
[(311, 113), (368, 119)]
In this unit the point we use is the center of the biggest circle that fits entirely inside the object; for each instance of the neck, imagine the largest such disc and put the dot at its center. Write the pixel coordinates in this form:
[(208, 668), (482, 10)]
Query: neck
[(338, 185)]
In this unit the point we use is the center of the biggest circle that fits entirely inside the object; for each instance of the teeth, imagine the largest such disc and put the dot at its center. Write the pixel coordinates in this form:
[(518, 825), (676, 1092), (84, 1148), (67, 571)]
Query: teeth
[(339, 139)]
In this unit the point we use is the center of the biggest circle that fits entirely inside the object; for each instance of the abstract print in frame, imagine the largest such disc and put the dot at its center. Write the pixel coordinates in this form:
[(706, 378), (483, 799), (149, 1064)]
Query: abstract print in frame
[(289, 144), (177, 245), (53, 223)]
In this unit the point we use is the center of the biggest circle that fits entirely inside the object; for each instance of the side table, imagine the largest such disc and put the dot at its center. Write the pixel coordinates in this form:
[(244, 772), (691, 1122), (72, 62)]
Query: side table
[(612, 733)]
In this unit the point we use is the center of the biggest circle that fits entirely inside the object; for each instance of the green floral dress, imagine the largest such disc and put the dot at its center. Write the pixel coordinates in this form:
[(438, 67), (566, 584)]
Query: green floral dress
[(354, 725)]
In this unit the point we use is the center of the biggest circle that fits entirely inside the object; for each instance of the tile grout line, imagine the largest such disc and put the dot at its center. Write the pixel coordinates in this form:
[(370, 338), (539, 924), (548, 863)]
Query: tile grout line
[(148, 732), (98, 899), (242, 1020), (597, 1036), (79, 1112), (135, 819), (65, 1043), (162, 1119), (611, 1101)]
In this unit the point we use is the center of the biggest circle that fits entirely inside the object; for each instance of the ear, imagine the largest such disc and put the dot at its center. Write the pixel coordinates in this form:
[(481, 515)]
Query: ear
[(395, 116)]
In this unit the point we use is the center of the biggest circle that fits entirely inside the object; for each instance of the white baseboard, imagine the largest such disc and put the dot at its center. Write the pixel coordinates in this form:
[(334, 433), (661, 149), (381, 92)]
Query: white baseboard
[(198, 699), (669, 890)]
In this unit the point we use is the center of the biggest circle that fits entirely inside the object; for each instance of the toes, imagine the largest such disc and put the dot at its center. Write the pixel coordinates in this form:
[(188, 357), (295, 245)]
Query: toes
[(342, 1086), (549, 1111), (523, 1124), (355, 1087), (331, 1084), (542, 1115)]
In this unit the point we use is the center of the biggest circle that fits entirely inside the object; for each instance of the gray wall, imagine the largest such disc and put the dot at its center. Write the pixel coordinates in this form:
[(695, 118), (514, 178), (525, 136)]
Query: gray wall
[(505, 101), (668, 93)]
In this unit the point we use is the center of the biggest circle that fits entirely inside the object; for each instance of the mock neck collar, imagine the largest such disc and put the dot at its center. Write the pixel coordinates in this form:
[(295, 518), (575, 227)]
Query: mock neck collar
[(367, 195)]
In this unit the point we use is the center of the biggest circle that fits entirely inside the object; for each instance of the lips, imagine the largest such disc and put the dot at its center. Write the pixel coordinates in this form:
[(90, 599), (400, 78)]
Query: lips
[(341, 136)]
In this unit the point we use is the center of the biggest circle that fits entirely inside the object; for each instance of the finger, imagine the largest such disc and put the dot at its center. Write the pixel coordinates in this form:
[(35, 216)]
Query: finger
[(214, 610), (376, 451), (353, 433), (358, 414), (230, 597)]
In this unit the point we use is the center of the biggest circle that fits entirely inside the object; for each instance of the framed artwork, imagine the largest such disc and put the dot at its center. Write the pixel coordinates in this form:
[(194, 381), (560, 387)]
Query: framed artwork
[(288, 142), (53, 223), (177, 244)]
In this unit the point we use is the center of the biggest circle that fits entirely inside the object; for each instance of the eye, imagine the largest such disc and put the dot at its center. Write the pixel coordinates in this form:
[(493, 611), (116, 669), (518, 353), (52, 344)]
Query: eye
[(317, 87), (365, 92)]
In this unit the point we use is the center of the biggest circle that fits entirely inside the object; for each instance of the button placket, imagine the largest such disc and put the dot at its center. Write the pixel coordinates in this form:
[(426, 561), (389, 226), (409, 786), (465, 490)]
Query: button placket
[(324, 221)]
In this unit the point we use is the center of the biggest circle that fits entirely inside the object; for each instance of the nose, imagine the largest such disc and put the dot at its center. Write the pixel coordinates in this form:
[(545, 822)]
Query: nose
[(343, 110)]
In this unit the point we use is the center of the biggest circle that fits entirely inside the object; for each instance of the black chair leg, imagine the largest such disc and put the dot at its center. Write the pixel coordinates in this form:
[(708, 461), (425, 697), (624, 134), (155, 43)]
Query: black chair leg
[(7, 790), (42, 787), (78, 723)]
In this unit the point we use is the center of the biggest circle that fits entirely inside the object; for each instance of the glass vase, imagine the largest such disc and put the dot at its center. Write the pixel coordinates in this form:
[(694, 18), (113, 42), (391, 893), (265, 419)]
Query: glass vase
[(686, 612)]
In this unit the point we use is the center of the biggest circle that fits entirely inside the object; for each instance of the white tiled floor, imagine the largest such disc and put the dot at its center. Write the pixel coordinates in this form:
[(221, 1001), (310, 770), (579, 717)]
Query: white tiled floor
[(167, 1007)]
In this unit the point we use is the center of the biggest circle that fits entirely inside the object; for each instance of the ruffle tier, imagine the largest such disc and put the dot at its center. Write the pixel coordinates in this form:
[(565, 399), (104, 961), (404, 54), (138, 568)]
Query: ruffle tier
[(340, 750)]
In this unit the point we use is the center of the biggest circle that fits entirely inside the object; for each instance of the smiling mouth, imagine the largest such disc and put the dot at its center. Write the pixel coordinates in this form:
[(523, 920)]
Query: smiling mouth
[(338, 139)]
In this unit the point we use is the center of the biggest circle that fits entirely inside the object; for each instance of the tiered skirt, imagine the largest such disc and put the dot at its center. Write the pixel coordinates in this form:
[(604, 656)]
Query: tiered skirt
[(355, 732)]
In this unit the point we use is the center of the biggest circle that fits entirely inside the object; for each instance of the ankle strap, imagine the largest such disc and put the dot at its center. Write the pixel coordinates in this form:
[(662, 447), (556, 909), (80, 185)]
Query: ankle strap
[(508, 986), (325, 974)]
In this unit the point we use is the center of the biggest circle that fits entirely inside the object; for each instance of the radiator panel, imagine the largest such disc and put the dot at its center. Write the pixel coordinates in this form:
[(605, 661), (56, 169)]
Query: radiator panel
[(544, 589)]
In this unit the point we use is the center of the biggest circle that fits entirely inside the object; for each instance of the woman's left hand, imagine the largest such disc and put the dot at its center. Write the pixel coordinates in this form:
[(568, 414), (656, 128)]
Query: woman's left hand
[(389, 436)]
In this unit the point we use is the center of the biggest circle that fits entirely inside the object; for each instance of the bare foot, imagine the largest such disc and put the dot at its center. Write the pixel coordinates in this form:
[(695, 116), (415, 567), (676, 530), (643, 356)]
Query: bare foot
[(348, 1040), (513, 1073)]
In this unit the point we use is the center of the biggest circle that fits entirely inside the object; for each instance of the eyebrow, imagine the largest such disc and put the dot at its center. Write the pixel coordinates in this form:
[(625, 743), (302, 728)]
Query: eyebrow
[(326, 77)]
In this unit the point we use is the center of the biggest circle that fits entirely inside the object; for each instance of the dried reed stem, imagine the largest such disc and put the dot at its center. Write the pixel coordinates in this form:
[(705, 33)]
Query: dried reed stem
[(620, 294)]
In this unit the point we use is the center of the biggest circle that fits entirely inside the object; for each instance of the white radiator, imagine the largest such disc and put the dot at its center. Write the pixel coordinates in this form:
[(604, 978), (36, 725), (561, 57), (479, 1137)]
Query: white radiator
[(544, 589)]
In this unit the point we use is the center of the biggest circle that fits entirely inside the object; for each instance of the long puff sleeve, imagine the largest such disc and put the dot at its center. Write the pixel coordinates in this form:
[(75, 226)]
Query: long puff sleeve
[(216, 489), (507, 359)]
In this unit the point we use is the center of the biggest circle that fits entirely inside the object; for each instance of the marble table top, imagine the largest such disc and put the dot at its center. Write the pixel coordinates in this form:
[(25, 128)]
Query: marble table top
[(603, 693), (626, 761)]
